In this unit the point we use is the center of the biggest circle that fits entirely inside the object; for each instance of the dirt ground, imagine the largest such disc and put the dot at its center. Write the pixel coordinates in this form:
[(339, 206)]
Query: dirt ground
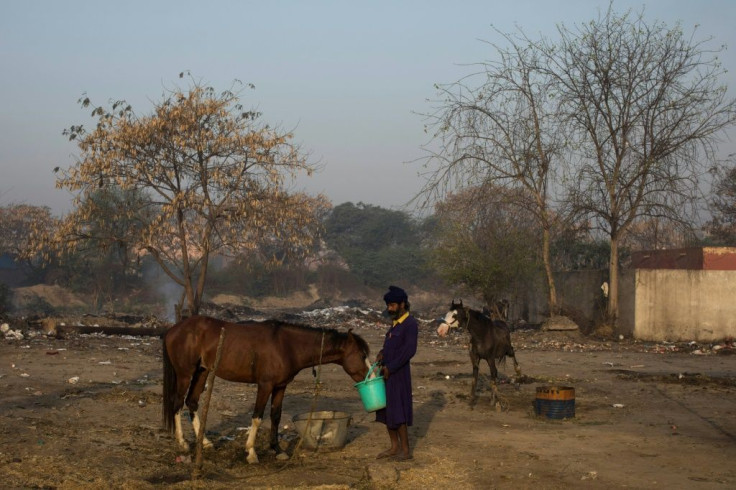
[(84, 411)]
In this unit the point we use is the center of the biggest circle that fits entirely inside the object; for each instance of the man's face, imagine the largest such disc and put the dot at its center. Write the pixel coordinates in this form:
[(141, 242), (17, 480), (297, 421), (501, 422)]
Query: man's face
[(395, 310)]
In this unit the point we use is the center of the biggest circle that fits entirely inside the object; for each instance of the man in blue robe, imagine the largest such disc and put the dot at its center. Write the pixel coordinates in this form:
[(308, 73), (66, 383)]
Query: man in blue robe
[(399, 346)]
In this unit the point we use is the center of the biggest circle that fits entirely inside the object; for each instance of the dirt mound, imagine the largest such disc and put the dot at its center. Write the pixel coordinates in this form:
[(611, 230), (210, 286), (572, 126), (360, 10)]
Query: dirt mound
[(54, 296)]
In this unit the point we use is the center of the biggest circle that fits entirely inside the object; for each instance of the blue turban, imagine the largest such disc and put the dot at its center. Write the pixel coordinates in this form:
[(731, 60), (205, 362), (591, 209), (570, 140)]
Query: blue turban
[(395, 295)]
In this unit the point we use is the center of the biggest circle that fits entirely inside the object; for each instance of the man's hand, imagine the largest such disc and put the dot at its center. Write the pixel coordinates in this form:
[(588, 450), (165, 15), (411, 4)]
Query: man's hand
[(384, 372)]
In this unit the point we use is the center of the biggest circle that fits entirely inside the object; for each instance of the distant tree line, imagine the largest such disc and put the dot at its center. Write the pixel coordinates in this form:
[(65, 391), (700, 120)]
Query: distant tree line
[(558, 154)]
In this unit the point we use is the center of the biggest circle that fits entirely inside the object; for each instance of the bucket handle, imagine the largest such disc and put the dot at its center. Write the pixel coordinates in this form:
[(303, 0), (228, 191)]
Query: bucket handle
[(373, 366)]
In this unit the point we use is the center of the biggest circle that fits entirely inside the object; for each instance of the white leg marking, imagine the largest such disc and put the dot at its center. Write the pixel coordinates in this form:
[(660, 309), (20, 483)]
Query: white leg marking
[(251, 442), (179, 434), (196, 425)]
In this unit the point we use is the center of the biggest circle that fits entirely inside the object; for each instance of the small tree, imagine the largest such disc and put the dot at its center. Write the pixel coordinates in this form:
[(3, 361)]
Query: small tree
[(211, 180), (486, 244)]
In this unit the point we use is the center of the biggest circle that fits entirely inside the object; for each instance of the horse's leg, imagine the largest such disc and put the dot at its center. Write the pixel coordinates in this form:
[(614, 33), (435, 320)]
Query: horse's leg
[(277, 398), (494, 376), (475, 360), (182, 385), (261, 399), (517, 368), (179, 433), (199, 380)]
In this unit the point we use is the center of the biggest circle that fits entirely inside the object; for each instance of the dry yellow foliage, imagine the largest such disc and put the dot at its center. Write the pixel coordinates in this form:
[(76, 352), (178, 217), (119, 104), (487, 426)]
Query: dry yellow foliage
[(213, 180)]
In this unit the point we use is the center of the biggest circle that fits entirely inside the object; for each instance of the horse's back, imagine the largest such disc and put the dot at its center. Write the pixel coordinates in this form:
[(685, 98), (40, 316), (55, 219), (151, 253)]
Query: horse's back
[(248, 346), (193, 328), (495, 339)]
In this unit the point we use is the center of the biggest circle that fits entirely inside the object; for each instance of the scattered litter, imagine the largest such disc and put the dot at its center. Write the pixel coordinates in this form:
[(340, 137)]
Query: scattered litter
[(609, 364), (73, 380), (618, 405), (591, 475), (105, 363), (24, 375), (14, 335), (141, 403)]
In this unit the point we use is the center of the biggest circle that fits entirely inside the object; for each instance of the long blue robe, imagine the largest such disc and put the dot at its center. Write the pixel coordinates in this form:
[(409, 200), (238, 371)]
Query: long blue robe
[(399, 346)]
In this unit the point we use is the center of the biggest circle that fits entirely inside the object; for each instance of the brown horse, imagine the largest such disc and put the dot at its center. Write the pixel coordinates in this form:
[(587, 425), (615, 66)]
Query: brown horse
[(489, 340), (268, 353)]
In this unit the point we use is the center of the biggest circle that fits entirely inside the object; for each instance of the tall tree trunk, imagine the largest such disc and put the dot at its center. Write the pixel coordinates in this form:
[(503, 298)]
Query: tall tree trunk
[(612, 310), (552, 297)]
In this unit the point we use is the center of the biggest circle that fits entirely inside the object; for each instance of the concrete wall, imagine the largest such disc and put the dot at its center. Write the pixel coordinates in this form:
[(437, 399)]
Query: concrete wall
[(654, 305), (579, 293), (678, 305)]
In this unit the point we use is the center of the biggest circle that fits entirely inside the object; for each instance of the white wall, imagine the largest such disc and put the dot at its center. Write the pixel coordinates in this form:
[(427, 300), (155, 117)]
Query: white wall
[(680, 305)]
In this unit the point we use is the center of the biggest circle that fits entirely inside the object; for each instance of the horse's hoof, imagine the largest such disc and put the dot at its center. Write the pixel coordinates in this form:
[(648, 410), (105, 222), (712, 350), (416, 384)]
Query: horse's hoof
[(252, 459), (282, 456), (207, 444), (498, 407)]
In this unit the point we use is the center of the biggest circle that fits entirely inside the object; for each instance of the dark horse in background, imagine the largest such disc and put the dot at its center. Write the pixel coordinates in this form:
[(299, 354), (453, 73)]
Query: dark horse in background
[(268, 353), (489, 340)]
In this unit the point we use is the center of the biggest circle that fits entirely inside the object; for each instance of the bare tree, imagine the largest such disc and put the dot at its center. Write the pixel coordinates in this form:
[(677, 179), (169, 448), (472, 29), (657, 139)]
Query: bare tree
[(645, 109), (499, 126), (213, 177)]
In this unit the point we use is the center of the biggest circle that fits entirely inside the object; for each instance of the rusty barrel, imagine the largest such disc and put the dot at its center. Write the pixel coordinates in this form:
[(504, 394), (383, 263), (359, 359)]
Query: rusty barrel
[(555, 402)]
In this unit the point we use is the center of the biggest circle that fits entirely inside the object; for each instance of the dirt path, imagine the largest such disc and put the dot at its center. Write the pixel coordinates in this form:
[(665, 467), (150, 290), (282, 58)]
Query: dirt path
[(84, 412)]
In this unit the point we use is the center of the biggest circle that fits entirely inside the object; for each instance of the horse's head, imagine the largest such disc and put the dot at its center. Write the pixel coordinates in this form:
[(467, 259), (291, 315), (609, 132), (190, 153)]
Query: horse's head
[(452, 319), (355, 357)]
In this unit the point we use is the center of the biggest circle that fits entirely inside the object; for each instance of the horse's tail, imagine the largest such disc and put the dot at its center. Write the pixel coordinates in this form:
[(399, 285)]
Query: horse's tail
[(169, 391)]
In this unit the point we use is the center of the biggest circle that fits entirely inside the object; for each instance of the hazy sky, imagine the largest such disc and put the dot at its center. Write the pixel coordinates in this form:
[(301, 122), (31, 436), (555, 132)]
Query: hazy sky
[(348, 77)]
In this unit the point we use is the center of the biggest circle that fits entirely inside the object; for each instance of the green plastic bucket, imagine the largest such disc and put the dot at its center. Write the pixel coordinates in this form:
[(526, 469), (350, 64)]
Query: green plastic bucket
[(372, 391)]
